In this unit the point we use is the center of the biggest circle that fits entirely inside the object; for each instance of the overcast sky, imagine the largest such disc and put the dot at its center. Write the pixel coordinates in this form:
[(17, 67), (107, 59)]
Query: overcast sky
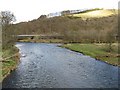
[(26, 10)]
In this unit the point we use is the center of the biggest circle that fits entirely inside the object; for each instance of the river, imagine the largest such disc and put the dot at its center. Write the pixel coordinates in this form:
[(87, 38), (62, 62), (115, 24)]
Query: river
[(45, 65)]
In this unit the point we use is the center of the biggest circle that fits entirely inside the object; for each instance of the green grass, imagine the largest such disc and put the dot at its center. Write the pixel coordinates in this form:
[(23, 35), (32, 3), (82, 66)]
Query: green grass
[(10, 64), (6, 66), (9, 52), (98, 51)]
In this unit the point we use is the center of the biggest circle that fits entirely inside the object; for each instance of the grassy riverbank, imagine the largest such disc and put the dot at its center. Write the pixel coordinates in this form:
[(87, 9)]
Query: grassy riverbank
[(98, 51), (9, 62)]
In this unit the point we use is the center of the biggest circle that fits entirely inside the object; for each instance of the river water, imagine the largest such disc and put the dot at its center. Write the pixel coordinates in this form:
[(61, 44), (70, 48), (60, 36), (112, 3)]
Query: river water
[(45, 65)]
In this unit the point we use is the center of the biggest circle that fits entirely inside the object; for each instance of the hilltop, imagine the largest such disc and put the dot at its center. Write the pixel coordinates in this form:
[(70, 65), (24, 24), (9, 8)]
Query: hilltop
[(96, 13)]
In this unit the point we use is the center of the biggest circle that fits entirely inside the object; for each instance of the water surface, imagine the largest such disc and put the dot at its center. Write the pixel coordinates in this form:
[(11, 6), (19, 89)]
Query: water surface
[(48, 66)]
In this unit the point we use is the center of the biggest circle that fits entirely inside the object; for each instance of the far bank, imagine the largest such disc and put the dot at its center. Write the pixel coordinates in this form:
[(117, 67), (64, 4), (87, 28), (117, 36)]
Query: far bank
[(98, 51)]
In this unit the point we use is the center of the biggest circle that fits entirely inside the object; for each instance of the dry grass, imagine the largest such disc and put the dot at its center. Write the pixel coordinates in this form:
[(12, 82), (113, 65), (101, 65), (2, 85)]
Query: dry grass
[(96, 13)]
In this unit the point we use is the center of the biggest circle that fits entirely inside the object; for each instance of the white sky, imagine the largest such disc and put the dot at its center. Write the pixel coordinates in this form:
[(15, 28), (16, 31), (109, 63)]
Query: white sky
[(25, 10)]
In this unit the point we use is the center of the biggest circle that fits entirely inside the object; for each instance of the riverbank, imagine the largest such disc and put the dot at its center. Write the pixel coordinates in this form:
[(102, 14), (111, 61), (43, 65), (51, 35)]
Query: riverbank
[(42, 40), (97, 51), (9, 62)]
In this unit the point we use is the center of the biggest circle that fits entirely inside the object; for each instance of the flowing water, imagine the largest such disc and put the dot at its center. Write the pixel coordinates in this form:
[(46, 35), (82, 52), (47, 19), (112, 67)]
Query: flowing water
[(45, 65)]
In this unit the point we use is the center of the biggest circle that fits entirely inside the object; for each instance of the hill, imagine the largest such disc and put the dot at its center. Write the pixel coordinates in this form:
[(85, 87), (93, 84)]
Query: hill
[(96, 13), (102, 27)]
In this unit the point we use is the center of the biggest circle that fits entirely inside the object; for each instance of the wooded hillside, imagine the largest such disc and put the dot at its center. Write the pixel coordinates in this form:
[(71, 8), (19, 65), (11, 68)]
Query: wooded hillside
[(74, 29)]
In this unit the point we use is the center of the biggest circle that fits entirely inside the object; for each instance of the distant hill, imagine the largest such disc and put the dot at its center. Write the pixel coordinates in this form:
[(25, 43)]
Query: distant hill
[(96, 13)]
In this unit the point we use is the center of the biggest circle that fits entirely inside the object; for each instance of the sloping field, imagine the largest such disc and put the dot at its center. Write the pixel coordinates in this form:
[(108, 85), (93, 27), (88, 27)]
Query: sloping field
[(96, 13)]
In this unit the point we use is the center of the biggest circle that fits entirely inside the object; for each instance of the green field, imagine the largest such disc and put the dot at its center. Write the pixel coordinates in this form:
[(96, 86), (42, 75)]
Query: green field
[(98, 51)]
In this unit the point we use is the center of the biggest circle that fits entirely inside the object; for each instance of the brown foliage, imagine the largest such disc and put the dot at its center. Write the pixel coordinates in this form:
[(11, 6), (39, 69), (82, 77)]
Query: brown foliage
[(73, 29)]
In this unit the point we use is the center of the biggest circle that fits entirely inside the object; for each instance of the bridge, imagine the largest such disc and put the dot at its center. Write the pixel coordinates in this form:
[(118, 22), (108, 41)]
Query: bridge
[(20, 37)]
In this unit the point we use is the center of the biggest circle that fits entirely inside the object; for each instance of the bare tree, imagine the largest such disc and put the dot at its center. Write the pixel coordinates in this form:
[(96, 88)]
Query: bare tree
[(7, 19)]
